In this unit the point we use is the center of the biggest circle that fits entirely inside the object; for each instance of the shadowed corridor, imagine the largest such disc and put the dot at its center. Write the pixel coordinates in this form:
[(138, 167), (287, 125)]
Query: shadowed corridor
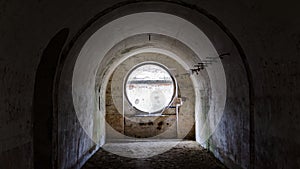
[(116, 83)]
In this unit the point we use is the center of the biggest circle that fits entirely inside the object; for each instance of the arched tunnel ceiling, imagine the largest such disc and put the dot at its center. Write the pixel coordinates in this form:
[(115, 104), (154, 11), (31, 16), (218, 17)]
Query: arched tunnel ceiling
[(94, 50), (138, 45)]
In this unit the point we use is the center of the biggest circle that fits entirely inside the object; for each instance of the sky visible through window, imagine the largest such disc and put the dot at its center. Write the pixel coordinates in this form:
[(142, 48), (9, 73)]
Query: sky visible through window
[(149, 88)]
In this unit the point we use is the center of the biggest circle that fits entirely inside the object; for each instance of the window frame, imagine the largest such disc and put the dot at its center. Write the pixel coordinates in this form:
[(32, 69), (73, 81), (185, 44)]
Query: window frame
[(174, 95)]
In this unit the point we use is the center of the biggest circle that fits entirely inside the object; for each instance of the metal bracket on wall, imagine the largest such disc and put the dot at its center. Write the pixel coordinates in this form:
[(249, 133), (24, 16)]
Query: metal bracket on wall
[(207, 61)]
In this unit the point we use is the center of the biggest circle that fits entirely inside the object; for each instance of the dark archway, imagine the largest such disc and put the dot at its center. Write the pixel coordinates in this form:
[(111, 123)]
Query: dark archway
[(44, 122)]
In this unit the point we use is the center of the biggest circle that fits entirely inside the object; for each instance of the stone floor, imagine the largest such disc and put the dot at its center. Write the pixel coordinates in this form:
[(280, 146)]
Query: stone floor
[(184, 155)]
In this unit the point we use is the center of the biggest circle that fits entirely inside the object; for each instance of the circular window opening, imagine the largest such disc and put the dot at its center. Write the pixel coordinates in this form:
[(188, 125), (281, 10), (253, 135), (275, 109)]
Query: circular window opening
[(149, 87)]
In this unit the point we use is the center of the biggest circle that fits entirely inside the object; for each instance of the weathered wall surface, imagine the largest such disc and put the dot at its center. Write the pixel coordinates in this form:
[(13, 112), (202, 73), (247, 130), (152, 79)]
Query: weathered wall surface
[(268, 31), (24, 36), (270, 40), (136, 127), (25, 31)]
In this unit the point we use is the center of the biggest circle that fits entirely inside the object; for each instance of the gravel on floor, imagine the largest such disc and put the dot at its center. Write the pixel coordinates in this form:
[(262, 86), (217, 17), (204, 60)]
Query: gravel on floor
[(185, 155)]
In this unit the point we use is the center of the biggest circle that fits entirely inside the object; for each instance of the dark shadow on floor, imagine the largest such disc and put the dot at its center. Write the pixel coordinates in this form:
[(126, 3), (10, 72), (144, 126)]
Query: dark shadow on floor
[(186, 155)]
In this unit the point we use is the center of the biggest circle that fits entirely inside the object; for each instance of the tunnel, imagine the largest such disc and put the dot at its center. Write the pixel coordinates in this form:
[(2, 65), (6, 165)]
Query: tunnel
[(101, 76), (153, 33)]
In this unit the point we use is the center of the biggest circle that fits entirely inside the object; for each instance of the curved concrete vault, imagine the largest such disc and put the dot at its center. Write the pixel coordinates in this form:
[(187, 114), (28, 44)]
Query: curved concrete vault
[(94, 50), (106, 41), (104, 51)]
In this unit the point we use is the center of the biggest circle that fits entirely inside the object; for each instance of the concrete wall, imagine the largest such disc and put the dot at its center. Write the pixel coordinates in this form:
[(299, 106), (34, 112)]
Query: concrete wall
[(267, 31)]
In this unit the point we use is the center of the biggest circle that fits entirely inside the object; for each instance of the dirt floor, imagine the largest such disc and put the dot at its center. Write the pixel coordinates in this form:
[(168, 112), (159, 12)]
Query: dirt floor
[(185, 155)]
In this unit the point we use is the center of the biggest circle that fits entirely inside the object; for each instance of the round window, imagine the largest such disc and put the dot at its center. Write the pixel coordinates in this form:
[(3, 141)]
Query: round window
[(149, 87)]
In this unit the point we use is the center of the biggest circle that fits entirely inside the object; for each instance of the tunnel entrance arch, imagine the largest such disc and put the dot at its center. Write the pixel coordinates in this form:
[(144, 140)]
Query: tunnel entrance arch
[(220, 37)]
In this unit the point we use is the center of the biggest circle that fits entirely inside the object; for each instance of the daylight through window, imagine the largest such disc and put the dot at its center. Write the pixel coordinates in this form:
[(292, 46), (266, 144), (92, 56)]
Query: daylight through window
[(149, 87)]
